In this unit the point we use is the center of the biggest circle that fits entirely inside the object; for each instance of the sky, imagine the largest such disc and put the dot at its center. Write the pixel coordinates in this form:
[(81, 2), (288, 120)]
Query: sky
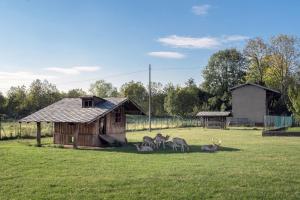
[(73, 43)]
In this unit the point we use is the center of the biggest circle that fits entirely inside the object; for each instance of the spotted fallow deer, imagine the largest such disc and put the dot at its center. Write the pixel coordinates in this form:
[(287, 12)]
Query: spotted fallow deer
[(182, 143), (211, 147), (172, 145), (148, 141), (160, 139), (142, 148)]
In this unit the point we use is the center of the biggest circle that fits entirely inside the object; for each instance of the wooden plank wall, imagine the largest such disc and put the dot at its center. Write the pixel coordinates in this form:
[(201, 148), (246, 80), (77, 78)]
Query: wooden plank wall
[(63, 133), (113, 127)]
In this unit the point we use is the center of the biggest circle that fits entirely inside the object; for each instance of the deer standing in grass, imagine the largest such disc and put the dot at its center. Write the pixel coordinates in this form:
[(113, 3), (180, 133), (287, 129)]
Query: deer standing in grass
[(160, 139), (211, 147), (173, 145), (182, 143), (142, 148), (148, 141)]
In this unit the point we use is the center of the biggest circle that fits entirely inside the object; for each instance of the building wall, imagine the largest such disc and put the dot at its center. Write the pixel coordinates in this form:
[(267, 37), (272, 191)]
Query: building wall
[(88, 133), (249, 102), (63, 133), (116, 129)]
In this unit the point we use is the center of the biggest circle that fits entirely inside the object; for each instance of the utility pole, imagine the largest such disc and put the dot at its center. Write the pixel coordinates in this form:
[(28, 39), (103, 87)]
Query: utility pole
[(149, 97)]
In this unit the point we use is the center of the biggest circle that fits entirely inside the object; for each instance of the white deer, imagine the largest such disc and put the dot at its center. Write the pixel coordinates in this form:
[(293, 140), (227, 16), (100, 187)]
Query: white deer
[(148, 141), (160, 139), (172, 145), (142, 148), (211, 147), (182, 143)]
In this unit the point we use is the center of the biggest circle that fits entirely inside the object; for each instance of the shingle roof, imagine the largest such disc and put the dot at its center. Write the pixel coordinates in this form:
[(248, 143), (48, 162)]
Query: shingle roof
[(70, 110), (213, 114), (256, 85)]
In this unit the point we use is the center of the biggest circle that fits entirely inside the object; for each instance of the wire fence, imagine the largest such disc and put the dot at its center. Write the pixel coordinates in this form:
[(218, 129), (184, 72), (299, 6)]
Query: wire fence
[(10, 129), (278, 122), (136, 123)]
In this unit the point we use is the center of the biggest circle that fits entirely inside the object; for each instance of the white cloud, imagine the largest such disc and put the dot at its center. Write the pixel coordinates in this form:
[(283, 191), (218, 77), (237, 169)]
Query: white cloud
[(8, 79), (190, 42), (73, 70), (166, 54), (234, 38), (199, 42), (201, 9), (22, 75)]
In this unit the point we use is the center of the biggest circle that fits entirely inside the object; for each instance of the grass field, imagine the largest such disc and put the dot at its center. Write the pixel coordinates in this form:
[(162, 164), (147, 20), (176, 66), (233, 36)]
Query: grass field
[(248, 167), (294, 129)]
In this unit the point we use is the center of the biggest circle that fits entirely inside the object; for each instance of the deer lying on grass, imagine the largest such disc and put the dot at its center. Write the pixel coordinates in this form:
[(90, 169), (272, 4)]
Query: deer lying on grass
[(182, 143), (148, 141), (142, 148), (172, 145), (212, 147), (160, 139)]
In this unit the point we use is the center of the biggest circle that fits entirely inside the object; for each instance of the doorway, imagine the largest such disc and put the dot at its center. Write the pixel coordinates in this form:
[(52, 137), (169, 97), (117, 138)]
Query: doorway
[(102, 125)]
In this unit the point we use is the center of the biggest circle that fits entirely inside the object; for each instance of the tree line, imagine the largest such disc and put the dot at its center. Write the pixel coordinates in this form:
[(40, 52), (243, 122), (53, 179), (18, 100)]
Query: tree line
[(273, 63)]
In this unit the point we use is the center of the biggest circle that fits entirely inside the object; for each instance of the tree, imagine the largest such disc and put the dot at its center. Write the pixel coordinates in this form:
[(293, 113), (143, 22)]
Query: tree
[(284, 60), (294, 95), (225, 69), (182, 101), (256, 51), (41, 94), (2, 104), (137, 92), (16, 97), (103, 89), (157, 99), (75, 93)]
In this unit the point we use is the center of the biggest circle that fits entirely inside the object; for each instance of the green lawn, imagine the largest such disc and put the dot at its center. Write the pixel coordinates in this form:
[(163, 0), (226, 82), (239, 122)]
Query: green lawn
[(294, 129), (248, 167)]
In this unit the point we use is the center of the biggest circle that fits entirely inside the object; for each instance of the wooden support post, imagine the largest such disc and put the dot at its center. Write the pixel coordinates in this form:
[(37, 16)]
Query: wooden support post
[(75, 136), (38, 133)]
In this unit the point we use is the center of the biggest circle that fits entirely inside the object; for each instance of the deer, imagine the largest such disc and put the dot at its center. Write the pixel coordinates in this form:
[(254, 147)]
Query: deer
[(148, 141), (172, 145), (182, 143), (142, 148), (160, 139), (211, 147)]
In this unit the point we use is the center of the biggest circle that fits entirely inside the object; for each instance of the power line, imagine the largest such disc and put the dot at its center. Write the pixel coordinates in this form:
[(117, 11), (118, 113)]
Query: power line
[(175, 68), (104, 77)]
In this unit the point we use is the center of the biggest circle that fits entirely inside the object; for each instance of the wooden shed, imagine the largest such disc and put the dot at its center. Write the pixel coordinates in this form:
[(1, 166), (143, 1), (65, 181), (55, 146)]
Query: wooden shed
[(214, 119), (252, 102), (86, 121)]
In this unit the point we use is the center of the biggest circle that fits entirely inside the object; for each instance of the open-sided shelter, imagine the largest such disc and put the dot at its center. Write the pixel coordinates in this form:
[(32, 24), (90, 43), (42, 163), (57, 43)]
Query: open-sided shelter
[(214, 119), (86, 121)]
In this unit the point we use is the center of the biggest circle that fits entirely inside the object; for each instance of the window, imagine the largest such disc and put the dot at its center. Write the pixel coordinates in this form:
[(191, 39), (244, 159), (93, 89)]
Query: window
[(118, 116), (88, 103)]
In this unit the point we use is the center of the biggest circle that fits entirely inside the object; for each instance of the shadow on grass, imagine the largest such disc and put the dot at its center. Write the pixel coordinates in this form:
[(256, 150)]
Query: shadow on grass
[(244, 128), (130, 148)]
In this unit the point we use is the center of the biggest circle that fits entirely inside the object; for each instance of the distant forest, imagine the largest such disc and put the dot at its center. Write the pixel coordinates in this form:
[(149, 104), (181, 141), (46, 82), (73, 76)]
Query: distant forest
[(274, 63)]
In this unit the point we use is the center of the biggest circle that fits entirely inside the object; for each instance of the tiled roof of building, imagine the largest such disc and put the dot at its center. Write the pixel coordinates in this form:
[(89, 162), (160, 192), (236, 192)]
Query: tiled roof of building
[(71, 110)]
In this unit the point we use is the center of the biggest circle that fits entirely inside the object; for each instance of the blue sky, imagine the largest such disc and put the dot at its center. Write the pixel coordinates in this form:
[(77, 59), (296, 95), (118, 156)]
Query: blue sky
[(75, 42)]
